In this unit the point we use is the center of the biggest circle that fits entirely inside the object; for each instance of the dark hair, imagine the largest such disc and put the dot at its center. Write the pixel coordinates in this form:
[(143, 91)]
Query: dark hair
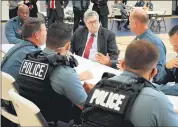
[(30, 26), (58, 35), (173, 31), (141, 55)]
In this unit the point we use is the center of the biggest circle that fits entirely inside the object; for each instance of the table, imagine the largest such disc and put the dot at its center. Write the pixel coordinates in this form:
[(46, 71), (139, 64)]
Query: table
[(97, 70)]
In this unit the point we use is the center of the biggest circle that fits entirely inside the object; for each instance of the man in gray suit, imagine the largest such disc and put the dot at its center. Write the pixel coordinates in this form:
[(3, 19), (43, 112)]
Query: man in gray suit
[(55, 10), (95, 42)]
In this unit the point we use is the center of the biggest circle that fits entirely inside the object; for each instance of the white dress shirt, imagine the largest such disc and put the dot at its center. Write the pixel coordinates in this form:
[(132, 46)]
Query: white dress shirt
[(94, 49)]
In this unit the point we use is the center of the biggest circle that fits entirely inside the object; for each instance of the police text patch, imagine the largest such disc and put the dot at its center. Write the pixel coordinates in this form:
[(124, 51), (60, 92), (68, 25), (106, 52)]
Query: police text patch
[(33, 69), (108, 100)]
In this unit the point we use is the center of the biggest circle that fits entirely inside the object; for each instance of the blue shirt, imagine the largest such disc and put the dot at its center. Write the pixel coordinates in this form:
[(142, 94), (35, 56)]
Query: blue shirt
[(65, 81), (13, 63), (149, 5), (151, 108), (13, 30), (140, 3), (151, 37)]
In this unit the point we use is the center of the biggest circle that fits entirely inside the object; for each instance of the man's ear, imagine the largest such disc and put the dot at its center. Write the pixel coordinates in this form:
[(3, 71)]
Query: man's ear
[(122, 64), (155, 71), (67, 46), (36, 34)]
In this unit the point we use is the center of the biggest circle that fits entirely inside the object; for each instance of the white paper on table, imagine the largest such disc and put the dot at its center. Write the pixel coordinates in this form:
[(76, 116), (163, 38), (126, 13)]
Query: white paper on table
[(5, 47), (174, 101), (97, 69)]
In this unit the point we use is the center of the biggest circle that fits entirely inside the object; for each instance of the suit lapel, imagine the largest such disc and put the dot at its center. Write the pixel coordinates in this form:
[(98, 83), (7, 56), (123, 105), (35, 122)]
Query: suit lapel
[(100, 40), (84, 39)]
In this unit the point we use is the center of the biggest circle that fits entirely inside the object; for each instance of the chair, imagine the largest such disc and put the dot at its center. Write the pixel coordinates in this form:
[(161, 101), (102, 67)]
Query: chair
[(2, 54), (117, 12), (27, 112), (6, 85), (158, 19)]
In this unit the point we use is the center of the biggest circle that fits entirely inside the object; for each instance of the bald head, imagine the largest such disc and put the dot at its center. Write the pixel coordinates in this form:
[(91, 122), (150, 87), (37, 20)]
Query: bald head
[(140, 15), (23, 12)]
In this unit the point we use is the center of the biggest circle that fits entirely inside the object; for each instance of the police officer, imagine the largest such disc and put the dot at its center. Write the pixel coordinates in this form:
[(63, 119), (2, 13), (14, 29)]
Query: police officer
[(34, 34), (14, 25), (63, 90), (151, 107), (171, 66)]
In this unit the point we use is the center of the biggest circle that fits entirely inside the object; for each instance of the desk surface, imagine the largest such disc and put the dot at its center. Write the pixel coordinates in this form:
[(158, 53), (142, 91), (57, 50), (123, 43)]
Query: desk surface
[(96, 69)]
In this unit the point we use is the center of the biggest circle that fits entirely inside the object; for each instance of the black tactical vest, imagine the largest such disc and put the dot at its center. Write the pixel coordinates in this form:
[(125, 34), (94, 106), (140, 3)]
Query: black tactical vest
[(109, 103), (34, 84)]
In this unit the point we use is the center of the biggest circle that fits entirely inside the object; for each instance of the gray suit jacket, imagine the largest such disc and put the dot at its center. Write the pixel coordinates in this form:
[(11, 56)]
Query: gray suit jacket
[(58, 4), (106, 42)]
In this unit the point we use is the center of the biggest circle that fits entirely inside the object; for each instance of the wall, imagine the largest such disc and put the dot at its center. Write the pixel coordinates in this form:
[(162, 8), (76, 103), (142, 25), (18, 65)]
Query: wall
[(158, 5)]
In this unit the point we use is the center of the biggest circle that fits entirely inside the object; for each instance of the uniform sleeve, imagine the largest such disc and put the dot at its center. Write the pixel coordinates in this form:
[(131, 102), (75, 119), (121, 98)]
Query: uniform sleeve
[(167, 116), (10, 33), (161, 62), (69, 84)]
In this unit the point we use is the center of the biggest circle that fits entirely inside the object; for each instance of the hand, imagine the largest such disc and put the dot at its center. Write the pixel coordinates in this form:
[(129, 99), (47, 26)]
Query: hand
[(119, 65), (176, 111), (30, 7), (103, 59), (46, 6), (86, 75), (62, 6), (171, 64), (88, 87)]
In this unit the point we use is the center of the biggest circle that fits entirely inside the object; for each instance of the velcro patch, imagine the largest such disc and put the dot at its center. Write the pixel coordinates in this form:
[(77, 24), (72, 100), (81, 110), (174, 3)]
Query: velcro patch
[(34, 69)]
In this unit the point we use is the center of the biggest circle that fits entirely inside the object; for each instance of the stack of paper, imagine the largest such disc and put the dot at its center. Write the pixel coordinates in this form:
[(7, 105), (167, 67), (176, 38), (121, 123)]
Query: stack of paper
[(97, 69)]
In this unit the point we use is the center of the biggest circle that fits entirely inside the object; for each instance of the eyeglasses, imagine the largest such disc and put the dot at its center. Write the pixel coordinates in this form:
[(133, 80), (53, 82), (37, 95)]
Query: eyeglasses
[(93, 22)]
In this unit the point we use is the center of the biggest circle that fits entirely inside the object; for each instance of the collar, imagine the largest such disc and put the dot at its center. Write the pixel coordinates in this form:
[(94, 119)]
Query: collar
[(96, 34), (30, 42), (130, 74), (17, 18), (49, 51), (144, 34)]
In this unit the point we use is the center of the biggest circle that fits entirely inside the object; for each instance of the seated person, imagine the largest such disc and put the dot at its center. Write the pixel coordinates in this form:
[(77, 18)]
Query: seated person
[(139, 25), (140, 3), (63, 89), (171, 67), (34, 34), (118, 4), (151, 107), (93, 41), (149, 5), (13, 26)]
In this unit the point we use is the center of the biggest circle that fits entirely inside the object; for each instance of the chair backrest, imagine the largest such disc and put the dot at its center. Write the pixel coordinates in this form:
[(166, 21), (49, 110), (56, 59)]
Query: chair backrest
[(116, 12), (2, 54), (27, 112), (7, 81)]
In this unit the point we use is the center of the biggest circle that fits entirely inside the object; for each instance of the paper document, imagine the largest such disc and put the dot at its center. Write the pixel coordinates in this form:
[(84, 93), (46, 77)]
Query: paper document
[(97, 69)]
